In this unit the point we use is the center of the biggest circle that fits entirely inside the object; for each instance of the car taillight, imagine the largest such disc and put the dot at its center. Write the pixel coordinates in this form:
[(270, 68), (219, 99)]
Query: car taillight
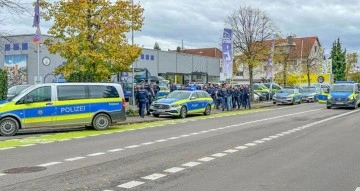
[(123, 103)]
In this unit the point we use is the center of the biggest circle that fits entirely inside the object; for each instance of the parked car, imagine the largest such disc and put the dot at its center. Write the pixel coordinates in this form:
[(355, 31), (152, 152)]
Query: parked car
[(287, 96), (309, 94), (15, 90)]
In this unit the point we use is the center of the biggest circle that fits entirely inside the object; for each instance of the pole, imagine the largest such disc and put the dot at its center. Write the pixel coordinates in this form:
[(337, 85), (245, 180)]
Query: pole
[(38, 64), (132, 44)]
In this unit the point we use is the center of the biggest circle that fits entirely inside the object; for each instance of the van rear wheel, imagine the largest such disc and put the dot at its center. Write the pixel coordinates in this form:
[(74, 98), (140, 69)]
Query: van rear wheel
[(8, 126), (101, 121)]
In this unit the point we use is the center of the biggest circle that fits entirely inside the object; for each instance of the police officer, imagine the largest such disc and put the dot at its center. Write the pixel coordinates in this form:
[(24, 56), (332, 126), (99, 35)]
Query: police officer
[(142, 100), (246, 97), (151, 94), (236, 98), (224, 95), (211, 91), (156, 89), (173, 87)]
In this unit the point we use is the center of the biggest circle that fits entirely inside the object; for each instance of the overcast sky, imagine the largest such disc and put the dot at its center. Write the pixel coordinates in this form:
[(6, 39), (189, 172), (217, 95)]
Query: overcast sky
[(199, 23)]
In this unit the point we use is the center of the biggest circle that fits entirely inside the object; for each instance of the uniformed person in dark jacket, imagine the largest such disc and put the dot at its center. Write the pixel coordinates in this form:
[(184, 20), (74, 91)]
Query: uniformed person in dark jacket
[(224, 94), (236, 98), (246, 97), (156, 89), (173, 87), (149, 89), (142, 100)]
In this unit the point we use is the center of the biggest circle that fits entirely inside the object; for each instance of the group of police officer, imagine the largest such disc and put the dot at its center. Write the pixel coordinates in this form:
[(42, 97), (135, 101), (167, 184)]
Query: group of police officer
[(145, 94)]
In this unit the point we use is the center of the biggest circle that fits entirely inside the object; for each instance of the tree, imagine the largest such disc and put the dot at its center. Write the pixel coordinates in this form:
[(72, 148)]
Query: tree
[(351, 61), (355, 77), (338, 61), (94, 41), (178, 49), (251, 27), (3, 84), (312, 63), (156, 46)]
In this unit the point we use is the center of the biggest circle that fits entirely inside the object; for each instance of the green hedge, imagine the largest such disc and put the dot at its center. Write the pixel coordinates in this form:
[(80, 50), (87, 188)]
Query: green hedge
[(3, 84)]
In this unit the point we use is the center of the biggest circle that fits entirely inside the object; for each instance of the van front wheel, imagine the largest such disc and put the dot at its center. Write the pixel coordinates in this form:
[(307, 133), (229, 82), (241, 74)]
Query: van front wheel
[(101, 121), (8, 126)]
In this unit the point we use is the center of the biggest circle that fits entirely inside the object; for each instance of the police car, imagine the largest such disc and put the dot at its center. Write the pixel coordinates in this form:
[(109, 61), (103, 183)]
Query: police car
[(343, 94), (287, 96), (183, 102)]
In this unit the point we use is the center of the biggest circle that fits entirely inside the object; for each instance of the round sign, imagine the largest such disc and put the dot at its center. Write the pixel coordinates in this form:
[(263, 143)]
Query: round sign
[(320, 79), (46, 61)]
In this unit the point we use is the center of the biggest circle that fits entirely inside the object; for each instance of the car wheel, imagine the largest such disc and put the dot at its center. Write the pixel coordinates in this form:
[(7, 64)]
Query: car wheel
[(328, 107), (293, 102), (356, 106), (274, 102), (183, 112), (101, 121), (8, 126), (155, 115), (207, 110)]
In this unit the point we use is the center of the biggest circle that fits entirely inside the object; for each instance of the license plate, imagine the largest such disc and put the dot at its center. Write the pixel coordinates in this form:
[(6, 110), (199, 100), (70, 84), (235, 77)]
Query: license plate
[(339, 102), (160, 110)]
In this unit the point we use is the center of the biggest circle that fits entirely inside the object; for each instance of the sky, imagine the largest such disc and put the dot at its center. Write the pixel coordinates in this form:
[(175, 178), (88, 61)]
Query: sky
[(199, 24)]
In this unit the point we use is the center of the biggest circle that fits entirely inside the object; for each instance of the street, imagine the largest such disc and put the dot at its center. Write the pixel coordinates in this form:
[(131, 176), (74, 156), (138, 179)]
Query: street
[(280, 148)]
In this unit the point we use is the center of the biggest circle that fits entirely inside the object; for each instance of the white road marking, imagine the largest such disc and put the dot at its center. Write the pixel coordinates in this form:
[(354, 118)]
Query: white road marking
[(194, 133), (2, 174), (94, 135), (206, 159), (250, 144), (132, 146), (49, 164), (74, 159), (280, 134), (203, 131), (148, 143), (161, 140), (191, 164), (172, 138), (274, 136), (130, 184), (48, 142), (115, 150), (95, 154), (184, 135), (241, 147), (28, 145), (259, 141), (267, 139), (213, 129), (108, 190), (220, 128), (174, 170), (154, 176), (7, 148), (79, 137), (231, 151), (219, 155), (286, 132), (62, 140), (357, 189)]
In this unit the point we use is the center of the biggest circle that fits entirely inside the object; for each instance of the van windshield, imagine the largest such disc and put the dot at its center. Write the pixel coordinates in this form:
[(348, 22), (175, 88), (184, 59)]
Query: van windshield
[(342, 88)]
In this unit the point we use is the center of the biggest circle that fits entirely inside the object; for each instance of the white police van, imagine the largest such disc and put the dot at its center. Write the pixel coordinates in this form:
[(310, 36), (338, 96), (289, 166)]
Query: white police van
[(63, 104)]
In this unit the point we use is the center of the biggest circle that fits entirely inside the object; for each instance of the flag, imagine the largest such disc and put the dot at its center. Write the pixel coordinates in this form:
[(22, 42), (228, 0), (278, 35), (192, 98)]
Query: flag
[(227, 51), (37, 37), (36, 22)]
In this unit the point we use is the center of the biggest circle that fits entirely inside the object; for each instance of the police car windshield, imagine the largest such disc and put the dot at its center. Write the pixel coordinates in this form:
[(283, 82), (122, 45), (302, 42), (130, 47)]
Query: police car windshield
[(288, 91), (308, 90), (342, 88), (179, 95)]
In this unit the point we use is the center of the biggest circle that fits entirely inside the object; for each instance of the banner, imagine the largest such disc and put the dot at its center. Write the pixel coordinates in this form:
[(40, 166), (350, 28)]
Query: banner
[(329, 66), (227, 51)]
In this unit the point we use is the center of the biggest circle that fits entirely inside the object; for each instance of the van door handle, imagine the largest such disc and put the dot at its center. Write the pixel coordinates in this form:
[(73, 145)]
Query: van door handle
[(49, 103)]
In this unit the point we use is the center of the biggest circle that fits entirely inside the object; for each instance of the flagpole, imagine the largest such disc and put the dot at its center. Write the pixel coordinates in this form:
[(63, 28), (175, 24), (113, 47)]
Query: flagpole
[(38, 64)]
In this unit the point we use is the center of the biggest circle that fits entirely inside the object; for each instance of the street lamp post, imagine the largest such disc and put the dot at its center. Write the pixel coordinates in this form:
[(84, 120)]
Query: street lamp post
[(132, 44)]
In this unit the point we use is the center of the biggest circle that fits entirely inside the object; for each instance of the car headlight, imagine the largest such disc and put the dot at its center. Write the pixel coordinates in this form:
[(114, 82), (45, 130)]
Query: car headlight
[(289, 97), (329, 97), (174, 105), (351, 98)]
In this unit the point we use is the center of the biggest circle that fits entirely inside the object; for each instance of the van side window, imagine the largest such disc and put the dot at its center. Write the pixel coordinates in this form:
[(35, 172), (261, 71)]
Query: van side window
[(96, 91), (41, 94), (71, 92)]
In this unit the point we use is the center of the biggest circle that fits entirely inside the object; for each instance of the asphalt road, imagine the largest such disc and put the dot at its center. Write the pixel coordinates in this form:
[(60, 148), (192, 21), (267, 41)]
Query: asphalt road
[(301, 147)]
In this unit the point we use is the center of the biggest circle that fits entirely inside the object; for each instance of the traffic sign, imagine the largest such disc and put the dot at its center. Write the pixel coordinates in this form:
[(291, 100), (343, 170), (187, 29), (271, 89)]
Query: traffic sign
[(320, 79)]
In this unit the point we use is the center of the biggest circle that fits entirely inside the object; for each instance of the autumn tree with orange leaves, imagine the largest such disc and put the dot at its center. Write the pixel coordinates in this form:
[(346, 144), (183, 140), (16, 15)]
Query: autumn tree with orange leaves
[(91, 35)]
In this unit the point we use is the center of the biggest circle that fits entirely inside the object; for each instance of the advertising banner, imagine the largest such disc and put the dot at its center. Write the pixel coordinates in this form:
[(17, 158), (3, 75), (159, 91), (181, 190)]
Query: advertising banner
[(16, 68), (227, 51)]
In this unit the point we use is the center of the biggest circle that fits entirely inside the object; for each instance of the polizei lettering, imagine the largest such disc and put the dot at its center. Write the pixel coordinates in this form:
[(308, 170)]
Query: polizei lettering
[(73, 109)]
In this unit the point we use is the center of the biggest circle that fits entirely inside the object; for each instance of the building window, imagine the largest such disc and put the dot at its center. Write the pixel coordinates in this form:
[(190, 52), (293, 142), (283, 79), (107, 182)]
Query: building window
[(142, 57), (315, 48), (16, 46), (7, 47), (152, 57), (24, 46), (147, 57)]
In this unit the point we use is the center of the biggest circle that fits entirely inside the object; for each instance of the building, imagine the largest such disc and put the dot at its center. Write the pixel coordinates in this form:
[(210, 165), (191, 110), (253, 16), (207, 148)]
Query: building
[(297, 51), (23, 63)]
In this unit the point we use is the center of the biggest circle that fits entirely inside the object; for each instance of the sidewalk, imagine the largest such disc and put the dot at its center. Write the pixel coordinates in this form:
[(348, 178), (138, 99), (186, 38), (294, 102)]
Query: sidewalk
[(150, 118)]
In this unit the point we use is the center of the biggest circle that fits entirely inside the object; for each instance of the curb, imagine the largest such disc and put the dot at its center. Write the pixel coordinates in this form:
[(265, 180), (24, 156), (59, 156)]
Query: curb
[(164, 119)]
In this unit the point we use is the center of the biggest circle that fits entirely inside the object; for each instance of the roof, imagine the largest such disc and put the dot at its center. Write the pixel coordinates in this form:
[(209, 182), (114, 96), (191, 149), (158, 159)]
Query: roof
[(210, 52), (302, 48)]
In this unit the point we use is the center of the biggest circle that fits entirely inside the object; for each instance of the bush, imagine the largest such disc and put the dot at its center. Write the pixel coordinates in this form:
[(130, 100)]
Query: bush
[(3, 84), (131, 112)]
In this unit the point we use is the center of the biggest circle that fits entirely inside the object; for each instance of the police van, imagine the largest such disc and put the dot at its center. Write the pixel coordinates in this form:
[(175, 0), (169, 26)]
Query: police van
[(343, 94), (63, 104)]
